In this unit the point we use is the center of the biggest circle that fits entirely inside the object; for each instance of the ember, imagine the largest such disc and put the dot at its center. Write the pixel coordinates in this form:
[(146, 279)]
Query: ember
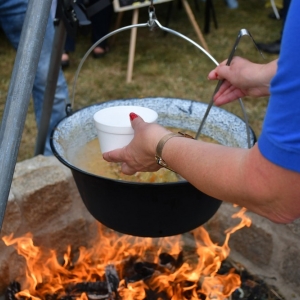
[(189, 266)]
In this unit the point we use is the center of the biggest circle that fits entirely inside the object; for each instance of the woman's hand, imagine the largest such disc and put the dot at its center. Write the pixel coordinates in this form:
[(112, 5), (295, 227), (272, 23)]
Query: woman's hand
[(242, 78), (139, 154)]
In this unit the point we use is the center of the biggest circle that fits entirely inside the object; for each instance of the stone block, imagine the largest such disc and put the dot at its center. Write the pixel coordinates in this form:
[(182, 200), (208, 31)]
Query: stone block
[(290, 266), (16, 267), (41, 194), (295, 227), (254, 244), (27, 166), (75, 234), (221, 222), (4, 279), (12, 218)]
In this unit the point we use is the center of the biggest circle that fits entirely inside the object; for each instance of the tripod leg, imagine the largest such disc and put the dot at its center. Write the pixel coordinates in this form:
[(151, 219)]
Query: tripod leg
[(209, 8), (197, 5), (54, 67), (214, 14), (207, 16), (18, 97)]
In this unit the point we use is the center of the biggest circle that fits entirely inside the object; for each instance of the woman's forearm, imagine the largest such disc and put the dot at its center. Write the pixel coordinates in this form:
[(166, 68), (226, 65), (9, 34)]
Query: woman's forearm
[(239, 176)]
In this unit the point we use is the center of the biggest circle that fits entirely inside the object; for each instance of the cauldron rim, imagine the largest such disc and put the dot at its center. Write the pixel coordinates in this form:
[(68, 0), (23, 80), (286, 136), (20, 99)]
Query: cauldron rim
[(73, 167), (158, 97)]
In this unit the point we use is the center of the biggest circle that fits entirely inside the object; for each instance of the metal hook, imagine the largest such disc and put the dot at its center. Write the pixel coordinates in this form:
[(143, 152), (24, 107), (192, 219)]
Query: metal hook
[(242, 32), (152, 17)]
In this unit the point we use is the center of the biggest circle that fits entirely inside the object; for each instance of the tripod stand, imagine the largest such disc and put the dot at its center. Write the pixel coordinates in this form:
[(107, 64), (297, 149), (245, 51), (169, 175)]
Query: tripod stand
[(22, 79)]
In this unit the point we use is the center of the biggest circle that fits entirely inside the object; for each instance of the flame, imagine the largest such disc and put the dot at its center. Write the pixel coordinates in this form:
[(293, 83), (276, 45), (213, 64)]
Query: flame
[(196, 275), (133, 291)]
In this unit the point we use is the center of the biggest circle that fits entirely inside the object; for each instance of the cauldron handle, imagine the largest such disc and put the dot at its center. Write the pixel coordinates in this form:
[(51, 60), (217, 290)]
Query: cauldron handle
[(152, 23)]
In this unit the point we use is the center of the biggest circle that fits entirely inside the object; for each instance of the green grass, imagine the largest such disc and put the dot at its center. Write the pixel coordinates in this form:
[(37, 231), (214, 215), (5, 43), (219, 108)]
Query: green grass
[(165, 65)]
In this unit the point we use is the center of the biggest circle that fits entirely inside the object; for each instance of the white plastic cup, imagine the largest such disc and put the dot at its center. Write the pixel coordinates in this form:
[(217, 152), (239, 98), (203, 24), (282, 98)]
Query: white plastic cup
[(114, 127)]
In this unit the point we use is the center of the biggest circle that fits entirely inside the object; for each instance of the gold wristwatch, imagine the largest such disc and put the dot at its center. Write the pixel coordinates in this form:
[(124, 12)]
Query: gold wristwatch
[(161, 144)]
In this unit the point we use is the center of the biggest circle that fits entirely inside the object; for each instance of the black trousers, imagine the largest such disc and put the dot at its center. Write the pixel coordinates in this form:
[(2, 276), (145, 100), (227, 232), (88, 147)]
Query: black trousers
[(100, 26)]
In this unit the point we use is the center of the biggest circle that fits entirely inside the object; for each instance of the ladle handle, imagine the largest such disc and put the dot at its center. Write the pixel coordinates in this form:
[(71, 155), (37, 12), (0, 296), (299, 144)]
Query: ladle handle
[(242, 32)]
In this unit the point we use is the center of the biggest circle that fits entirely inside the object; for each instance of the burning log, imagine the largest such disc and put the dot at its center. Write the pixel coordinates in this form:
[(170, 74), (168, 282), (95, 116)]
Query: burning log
[(112, 280), (93, 290), (12, 290), (170, 262), (252, 287), (86, 287), (97, 290)]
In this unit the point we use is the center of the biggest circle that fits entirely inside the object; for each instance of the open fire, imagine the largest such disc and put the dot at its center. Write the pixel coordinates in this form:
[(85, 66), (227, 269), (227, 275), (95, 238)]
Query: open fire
[(131, 268)]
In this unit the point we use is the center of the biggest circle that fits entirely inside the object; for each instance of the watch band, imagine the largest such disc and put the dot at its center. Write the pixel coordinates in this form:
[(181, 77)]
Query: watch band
[(161, 144)]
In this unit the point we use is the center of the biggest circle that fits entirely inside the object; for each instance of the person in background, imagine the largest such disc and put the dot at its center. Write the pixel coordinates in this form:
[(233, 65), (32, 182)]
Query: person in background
[(100, 27), (232, 4), (274, 47), (12, 15), (264, 179)]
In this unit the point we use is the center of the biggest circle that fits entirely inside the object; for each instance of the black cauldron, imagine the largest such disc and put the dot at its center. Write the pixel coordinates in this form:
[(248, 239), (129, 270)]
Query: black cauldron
[(148, 209)]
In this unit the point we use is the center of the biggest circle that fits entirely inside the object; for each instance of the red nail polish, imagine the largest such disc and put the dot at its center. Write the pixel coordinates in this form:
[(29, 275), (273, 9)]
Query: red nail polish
[(132, 116)]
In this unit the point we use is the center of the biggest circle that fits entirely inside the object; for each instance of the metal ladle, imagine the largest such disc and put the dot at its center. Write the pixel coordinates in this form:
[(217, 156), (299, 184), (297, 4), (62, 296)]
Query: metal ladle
[(242, 33)]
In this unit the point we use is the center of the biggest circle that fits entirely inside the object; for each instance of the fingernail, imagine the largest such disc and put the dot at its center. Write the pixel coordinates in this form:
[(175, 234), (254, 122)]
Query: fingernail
[(132, 116)]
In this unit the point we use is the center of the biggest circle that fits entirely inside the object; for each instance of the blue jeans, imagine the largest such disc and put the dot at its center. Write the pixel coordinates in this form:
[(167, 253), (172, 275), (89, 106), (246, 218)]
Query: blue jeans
[(12, 15), (232, 3)]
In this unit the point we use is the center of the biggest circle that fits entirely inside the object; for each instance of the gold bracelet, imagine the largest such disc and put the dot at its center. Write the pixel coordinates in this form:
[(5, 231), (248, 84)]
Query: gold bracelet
[(161, 144)]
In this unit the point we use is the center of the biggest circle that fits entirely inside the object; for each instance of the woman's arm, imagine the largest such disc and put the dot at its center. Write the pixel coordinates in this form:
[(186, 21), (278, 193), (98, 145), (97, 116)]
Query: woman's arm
[(240, 176)]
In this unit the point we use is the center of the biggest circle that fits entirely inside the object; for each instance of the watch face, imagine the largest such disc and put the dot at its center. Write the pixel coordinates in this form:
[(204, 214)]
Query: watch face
[(162, 163)]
